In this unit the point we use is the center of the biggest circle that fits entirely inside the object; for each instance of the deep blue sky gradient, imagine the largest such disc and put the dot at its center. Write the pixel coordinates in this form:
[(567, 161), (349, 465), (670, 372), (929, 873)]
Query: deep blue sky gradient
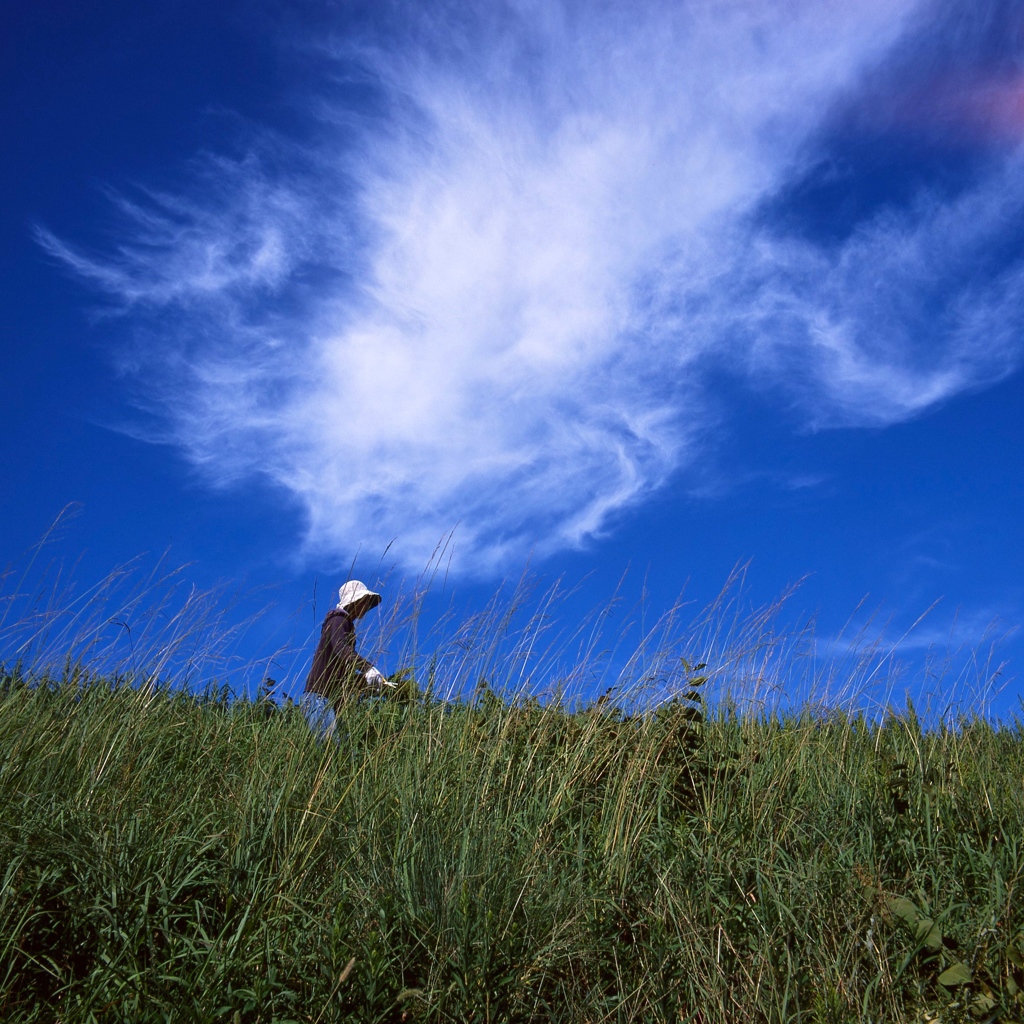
[(112, 94)]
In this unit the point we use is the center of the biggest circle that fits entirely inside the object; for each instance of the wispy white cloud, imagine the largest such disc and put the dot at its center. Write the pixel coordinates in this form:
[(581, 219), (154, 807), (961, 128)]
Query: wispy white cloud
[(491, 297), (906, 312)]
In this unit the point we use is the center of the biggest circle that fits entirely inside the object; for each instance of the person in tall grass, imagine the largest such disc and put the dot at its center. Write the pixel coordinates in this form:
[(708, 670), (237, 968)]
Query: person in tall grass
[(338, 672)]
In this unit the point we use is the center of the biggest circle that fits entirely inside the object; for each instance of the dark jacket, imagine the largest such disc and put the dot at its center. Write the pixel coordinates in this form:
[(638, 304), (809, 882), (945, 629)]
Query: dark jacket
[(337, 670)]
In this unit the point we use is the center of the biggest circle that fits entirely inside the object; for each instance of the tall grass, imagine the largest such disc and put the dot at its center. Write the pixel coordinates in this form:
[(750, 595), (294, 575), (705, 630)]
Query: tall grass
[(473, 853)]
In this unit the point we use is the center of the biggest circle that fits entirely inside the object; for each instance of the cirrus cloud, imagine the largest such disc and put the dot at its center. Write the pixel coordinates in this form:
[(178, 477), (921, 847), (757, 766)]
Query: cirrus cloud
[(493, 296)]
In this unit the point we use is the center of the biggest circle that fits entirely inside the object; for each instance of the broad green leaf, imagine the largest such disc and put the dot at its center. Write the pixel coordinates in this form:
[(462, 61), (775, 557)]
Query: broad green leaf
[(925, 930), (982, 1003), (929, 933), (955, 974), (906, 910)]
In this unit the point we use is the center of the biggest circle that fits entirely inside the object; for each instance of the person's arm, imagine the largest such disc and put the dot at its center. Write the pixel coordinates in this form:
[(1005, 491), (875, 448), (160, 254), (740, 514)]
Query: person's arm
[(343, 648), (349, 663), (377, 682)]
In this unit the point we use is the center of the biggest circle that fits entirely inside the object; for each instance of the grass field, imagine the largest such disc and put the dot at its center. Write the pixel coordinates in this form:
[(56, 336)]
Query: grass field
[(719, 843), (172, 857)]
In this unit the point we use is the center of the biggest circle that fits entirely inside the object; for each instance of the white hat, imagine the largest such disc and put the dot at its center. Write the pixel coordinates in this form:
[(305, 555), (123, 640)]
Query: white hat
[(354, 591)]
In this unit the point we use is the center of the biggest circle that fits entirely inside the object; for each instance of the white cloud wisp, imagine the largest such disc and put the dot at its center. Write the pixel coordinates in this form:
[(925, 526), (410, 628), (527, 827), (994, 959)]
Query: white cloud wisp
[(492, 301)]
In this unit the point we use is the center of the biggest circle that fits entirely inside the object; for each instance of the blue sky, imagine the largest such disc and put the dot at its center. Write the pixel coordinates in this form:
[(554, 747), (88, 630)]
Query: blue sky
[(663, 287)]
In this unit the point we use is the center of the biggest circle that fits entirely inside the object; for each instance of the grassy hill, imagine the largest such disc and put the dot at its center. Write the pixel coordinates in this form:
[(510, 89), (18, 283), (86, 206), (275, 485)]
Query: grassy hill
[(169, 857)]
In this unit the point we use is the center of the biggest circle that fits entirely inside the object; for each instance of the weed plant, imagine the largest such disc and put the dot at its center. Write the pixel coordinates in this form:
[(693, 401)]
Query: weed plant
[(490, 856)]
